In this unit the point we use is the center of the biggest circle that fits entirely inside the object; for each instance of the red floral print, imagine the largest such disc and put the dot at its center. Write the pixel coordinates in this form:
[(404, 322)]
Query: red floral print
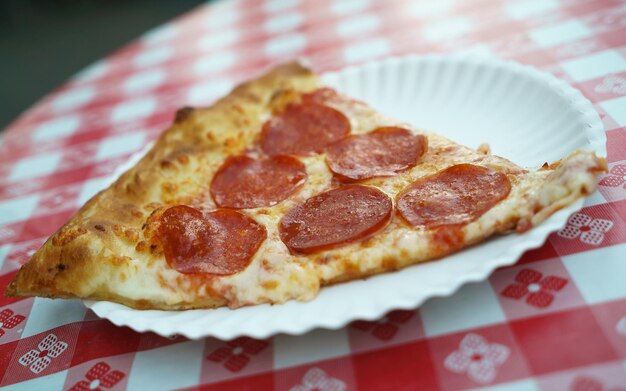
[(387, 327), (588, 230), (38, 359), (235, 355), (99, 377), (537, 289), (8, 320), (477, 358), (317, 379)]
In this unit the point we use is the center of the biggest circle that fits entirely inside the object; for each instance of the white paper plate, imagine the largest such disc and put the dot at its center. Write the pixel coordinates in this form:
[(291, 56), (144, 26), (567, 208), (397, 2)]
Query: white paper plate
[(525, 115)]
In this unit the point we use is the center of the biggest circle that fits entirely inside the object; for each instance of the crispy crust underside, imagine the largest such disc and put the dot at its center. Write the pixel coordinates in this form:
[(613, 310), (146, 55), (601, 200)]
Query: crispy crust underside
[(106, 240)]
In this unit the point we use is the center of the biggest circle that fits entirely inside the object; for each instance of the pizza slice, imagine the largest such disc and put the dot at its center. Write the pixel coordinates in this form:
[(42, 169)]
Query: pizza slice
[(282, 187)]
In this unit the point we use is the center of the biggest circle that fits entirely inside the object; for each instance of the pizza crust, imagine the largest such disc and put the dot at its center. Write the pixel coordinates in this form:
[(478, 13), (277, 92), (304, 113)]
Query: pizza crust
[(107, 251), (95, 255)]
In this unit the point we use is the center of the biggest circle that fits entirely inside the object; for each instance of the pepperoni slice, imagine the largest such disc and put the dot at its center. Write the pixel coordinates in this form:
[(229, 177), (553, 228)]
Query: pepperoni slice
[(243, 182), (457, 195), (303, 129), (334, 218), (383, 152), (222, 242)]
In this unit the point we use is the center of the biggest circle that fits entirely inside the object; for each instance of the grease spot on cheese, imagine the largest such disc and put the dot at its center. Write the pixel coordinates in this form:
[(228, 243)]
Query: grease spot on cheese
[(270, 285)]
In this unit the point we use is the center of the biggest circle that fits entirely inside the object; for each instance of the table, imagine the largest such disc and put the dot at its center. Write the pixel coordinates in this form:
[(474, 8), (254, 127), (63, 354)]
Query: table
[(555, 320)]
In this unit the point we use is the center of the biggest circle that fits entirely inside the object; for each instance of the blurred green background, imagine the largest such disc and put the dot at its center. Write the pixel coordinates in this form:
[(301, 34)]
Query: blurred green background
[(44, 42)]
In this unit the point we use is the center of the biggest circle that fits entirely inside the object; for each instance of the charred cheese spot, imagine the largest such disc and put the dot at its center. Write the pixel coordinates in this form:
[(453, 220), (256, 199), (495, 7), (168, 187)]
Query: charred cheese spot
[(231, 142), (183, 159), (131, 235), (122, 260), (351, 269), (390, 263), (183, 114), (118, 231), (151, 226), (237, 108), (142, 246), (155, 249), (369, 242), (67, 235), (266, 265), (142, 304), (152, 206), (167, 165), (169, 192), (169, 187)]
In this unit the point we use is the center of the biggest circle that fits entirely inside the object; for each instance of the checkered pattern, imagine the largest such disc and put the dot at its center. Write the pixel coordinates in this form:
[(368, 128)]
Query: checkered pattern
[(556, 320)]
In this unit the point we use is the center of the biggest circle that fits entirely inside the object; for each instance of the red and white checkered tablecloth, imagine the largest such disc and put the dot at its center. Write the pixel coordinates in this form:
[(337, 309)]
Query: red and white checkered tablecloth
[(554, 321)]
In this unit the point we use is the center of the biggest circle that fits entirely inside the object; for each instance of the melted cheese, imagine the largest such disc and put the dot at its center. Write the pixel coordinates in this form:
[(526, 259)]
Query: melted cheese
[(275, 276)]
